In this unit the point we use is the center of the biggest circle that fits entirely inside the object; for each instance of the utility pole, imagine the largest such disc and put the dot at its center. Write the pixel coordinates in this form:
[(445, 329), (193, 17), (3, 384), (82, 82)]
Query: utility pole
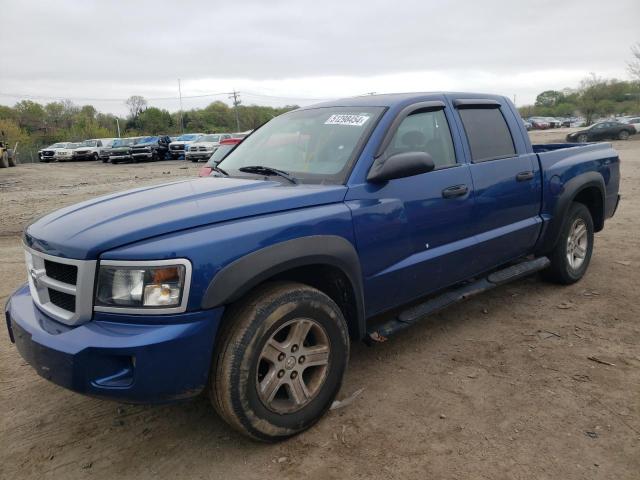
[(181, 119), (118, 125), (514, 98), (236, 101)]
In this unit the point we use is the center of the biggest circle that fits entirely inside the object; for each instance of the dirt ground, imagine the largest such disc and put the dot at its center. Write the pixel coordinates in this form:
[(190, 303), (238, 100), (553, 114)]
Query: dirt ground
[(500, 386)]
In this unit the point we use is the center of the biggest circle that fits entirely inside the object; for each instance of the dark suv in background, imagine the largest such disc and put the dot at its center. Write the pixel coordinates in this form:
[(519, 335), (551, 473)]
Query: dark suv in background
[(151, 148)]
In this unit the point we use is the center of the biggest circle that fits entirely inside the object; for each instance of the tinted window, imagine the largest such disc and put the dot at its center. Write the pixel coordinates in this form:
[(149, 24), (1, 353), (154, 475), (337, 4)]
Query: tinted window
[(488, 134), (425, 131)]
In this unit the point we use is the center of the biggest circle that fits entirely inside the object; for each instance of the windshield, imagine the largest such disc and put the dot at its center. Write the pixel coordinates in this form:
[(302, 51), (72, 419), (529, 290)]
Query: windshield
[(219, 154), (123, 142), (58, 145), (209, 138), (88, 143), (73, 145), (187, 137), (315, 145), (147, 140)]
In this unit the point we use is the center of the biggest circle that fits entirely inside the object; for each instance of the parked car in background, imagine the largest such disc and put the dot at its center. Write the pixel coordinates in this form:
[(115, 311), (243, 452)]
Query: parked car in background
[(205, 146), (121, 150), (150, 148), (539, 123), (603, 131), (634, 122), (241, 134), (180, 144), (221, 152), (65, 154), (553, 122), (90, 149), (48, 154)]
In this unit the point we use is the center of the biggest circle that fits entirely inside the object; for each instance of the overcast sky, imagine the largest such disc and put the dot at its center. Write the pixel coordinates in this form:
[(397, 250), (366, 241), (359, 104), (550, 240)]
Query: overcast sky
[(280, 52)]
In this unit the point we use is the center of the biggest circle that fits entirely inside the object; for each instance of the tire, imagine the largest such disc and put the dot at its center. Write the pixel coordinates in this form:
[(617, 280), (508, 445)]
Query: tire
[(582, 138), (623, 135), (96, 157), (4, 160), (13, 161), (566, 265), (276, 314)]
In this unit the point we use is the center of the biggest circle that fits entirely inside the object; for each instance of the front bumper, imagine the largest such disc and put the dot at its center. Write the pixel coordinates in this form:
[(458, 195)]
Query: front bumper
[(142, 155), (165, 358), (198, 155)]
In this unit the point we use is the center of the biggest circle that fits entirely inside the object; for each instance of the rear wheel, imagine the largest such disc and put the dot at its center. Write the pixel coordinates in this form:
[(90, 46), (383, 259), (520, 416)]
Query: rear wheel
[(13, 161), (623, 135), (279, 361), (4, 160), (571, 256)]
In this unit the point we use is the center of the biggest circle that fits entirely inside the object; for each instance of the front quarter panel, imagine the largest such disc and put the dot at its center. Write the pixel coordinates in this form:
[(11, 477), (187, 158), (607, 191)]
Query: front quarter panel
[(213, 247)]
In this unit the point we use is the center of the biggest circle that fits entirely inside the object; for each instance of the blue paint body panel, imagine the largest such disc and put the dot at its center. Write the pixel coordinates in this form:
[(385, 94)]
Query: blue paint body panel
[(409, 240)]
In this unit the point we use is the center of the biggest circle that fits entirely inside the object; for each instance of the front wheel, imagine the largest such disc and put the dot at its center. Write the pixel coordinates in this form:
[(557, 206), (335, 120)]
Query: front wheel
[(279, 361), (583, 139), (571, 256), (4, 160), (623, 135)]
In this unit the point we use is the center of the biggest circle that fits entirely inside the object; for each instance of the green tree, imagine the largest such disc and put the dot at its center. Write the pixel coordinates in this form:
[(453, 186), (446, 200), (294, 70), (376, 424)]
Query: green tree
[(549, 98)]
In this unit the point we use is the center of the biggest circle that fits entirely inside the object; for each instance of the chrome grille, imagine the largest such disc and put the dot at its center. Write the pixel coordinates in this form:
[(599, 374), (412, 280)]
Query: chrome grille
[(61, 287)]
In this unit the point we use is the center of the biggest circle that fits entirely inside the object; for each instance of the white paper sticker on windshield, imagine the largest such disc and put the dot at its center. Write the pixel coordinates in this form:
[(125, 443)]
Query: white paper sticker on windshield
[(352, 120)]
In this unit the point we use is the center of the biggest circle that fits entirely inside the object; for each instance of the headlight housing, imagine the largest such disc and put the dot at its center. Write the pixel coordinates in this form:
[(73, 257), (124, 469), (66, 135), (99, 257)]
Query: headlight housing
[(150, 287)]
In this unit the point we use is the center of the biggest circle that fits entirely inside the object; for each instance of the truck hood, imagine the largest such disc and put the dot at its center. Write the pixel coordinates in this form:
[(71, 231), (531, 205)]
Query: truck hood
[(87, 229)]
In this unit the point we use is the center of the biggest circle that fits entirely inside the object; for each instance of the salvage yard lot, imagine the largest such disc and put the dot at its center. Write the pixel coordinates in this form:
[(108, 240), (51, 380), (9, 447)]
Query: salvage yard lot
[(528, 381)]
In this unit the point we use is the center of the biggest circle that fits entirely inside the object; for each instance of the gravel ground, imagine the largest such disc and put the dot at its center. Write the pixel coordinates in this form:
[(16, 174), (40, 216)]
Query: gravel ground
[(500, 386)]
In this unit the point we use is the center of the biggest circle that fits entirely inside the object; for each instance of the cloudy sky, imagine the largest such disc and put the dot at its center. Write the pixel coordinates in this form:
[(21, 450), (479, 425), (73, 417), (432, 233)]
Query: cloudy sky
[(296, 51)]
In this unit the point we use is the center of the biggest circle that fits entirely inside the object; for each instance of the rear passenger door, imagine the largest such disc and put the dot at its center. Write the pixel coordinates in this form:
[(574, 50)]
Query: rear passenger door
[(506, 181)]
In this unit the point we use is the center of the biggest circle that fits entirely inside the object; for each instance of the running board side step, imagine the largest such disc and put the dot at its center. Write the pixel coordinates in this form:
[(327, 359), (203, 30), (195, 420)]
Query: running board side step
[(412, 315)]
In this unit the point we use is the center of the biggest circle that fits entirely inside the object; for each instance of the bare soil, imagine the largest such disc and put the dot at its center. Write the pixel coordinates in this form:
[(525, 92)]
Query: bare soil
[(500, 386)]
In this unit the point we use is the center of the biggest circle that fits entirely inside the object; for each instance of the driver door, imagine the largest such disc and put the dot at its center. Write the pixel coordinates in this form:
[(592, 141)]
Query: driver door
[(414, 234)]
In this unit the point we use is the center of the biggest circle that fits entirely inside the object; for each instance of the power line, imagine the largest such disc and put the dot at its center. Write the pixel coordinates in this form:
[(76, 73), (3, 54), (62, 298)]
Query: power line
[(107, 99)]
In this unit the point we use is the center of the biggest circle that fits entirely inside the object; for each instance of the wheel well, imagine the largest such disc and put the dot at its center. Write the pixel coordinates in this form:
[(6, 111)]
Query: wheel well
[(591, 198), (334, 283)]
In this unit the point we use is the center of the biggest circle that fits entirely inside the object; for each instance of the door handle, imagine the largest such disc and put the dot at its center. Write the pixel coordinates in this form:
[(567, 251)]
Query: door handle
[(524, 176), (455, 191)]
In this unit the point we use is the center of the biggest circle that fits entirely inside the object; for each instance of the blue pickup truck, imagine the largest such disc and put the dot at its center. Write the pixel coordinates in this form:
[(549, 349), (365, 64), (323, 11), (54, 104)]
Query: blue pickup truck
[(250, 284)]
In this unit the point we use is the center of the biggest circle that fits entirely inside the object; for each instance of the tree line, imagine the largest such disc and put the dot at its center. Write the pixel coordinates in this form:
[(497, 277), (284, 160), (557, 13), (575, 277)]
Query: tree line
[(35, 125), (595, 97)]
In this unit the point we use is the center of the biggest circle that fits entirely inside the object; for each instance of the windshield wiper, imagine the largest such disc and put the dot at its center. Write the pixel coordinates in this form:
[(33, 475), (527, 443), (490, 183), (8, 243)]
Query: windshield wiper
[(261, 169), (216, 168)]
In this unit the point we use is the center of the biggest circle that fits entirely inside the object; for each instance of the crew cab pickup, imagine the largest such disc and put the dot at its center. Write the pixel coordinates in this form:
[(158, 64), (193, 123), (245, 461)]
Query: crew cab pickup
[(151, 148), (90, 149), (252, 283)]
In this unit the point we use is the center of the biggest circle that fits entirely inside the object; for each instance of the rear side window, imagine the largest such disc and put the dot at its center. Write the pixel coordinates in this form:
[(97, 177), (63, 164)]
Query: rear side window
[(488, 134)]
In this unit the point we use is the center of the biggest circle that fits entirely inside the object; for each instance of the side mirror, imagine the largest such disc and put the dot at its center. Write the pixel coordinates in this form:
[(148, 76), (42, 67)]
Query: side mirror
[(400, 165)]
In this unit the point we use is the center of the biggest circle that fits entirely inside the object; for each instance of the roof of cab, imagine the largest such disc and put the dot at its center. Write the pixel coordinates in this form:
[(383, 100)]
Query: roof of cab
[(395, 99)]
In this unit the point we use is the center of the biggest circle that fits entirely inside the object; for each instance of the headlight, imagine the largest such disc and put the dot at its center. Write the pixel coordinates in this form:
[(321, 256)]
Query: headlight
[(143, 287)]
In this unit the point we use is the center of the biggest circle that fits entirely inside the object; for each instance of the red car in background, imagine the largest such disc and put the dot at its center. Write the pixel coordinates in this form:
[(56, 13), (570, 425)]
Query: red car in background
[(222, 151)]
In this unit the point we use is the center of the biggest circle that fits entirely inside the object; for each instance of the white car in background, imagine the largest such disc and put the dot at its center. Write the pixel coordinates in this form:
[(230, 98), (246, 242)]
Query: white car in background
[(202, 149), (65, 154), (633, 121), (48, 154), (91, 149), (180, 145)]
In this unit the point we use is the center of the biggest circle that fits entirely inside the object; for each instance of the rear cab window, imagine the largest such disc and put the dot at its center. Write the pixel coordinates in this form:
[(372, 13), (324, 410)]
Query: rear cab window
[(487, 132)]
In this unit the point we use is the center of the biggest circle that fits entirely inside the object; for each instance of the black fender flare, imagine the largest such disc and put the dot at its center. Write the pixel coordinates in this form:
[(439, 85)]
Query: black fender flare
[(570, 191), (240, 276)]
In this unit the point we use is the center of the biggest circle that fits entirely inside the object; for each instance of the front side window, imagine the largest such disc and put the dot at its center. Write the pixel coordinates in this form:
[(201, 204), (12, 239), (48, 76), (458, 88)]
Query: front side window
[(425, 131), (488, 134), (314, 145)]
